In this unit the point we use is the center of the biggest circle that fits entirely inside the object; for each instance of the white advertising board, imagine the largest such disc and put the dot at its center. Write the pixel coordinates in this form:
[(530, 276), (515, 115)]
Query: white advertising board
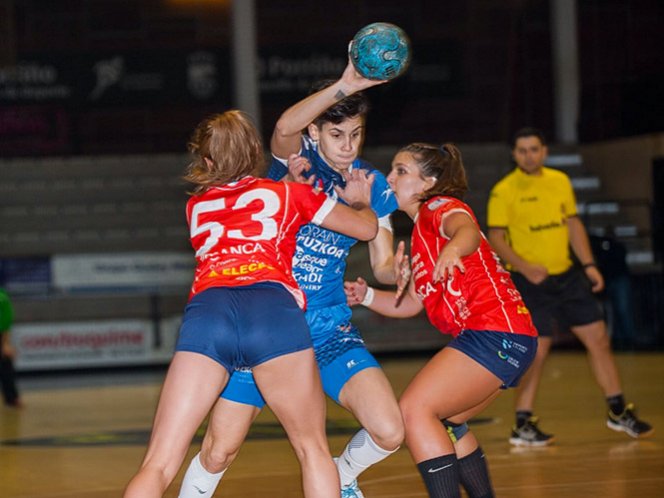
[(122, 270), (70, 345)]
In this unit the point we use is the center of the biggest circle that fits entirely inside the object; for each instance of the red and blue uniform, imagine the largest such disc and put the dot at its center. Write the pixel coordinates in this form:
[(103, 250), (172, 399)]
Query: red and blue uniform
[(244, 232), (245, 306), (480, 307), (319, 266)]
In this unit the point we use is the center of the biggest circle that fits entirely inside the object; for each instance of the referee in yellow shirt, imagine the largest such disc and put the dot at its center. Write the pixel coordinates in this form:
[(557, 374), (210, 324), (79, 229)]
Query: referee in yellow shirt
[(532, 223)]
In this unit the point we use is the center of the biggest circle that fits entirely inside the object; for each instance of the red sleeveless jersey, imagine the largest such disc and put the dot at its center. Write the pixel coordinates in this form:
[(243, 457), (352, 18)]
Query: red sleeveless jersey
[(481, 298), (244, 232)]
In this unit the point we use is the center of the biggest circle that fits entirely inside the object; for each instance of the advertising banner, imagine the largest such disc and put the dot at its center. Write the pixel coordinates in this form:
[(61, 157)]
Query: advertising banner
[(121, 271), (117, 78), (83, 344), (25, 275)]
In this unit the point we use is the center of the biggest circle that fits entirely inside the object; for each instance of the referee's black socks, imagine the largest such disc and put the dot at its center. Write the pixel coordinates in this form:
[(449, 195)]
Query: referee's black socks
[(522, 417), (616, 403)]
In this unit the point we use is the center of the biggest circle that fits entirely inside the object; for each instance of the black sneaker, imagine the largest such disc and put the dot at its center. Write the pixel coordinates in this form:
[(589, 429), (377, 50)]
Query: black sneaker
[(530, 435), (627, 422)]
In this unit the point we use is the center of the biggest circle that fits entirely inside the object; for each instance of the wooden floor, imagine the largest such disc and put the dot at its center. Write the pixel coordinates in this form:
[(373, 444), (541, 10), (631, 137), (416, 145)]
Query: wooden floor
[(86, 442)]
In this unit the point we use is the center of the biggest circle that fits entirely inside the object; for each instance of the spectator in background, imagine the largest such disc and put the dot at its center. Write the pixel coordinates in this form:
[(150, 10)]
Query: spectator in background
[(7, 353), (532, 222), (611, 257)]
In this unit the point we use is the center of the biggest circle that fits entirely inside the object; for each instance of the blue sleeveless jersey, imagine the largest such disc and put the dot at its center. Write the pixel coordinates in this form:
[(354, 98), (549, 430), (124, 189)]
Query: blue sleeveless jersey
[(320, 256)]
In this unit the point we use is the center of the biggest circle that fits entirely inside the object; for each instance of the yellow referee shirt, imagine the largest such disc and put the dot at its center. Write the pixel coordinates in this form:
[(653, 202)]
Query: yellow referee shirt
[(534, 210)]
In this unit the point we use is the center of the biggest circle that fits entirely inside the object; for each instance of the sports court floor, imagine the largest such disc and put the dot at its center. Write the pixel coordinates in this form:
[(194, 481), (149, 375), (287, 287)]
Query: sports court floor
[(83, 436)]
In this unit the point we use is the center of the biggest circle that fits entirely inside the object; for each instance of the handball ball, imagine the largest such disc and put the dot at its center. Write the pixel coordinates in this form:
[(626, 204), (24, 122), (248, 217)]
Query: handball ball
[(380, 51)]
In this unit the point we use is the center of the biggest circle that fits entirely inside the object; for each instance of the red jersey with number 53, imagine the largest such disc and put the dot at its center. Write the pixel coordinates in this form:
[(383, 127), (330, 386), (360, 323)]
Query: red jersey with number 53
[(481, 298), (244, 232)]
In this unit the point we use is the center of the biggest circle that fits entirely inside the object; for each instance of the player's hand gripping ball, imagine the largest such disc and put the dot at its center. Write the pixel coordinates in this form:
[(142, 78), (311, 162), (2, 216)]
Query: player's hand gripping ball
[(380, 51)]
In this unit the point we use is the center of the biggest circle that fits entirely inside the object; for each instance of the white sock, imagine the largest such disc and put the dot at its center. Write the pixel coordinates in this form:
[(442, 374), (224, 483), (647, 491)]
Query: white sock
[(360, 453), (198, 482)]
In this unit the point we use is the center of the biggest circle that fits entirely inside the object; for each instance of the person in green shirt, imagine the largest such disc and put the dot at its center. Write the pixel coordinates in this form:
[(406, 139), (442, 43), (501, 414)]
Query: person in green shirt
[(7, 353)]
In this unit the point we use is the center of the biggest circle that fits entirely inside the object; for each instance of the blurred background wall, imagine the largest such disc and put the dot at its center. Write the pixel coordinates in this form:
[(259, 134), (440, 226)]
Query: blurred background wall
[(134, 76), (98, 97)]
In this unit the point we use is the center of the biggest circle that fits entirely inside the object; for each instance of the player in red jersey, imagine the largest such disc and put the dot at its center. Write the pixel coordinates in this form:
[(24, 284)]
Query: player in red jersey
[(460, 283), (245, 309)]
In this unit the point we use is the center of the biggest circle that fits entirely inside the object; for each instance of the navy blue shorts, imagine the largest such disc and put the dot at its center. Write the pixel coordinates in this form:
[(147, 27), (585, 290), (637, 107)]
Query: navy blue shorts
[(566, 298), (340, 354), (504, 354), (241, 327)]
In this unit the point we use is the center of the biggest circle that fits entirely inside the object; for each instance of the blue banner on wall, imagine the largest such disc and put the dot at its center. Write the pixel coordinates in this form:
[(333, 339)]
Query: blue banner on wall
[(25, 275)]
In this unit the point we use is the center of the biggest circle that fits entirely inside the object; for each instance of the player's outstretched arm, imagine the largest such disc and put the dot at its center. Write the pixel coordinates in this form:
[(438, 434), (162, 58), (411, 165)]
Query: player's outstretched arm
[(381, 301), (288, 130)]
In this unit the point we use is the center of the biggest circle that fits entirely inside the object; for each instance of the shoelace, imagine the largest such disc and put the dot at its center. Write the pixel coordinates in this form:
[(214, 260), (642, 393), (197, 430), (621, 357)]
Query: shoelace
[(349, 491)]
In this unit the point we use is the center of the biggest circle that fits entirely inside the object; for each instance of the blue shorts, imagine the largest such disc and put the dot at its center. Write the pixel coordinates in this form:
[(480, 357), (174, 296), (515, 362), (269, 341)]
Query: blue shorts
[(340, 354), (504, 354), (241, 327)]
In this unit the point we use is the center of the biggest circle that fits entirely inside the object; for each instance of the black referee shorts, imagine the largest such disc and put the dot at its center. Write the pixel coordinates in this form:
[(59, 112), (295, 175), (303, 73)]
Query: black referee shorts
[(566, 298)]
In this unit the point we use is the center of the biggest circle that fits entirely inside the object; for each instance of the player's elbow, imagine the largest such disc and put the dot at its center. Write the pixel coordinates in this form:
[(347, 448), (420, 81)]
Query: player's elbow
[(283, 131)]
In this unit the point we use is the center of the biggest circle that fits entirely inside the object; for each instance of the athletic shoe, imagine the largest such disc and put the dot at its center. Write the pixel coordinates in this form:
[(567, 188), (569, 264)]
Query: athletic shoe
[(530, 435), (352, 490), (627, 422)]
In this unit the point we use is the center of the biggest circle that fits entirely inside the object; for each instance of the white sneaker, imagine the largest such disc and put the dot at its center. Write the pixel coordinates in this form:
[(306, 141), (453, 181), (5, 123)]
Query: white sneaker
[(352, 490)]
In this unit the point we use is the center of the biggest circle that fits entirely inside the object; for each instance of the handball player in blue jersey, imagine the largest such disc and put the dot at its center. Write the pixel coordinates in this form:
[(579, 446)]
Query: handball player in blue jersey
[(334, 120)]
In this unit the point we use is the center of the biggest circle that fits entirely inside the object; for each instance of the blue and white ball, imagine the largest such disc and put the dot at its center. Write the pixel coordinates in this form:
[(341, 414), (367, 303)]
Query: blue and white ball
[(380, 51)]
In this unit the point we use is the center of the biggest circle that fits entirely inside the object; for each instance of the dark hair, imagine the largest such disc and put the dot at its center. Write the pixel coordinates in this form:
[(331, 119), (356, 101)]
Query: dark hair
[(351, 106), (233, 149), (528, 131), (442, 162)]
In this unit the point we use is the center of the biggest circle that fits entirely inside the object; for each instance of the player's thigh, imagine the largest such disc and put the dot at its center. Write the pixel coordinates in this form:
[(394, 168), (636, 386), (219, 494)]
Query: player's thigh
[(465, 416), (191, 387), (228, 426), (449, 384), (291, 387), (369, 396)]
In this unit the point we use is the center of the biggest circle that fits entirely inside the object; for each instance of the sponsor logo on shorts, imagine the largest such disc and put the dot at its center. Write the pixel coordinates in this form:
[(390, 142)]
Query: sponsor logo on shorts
[(353, 363), (509, 359), (507, 344)]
